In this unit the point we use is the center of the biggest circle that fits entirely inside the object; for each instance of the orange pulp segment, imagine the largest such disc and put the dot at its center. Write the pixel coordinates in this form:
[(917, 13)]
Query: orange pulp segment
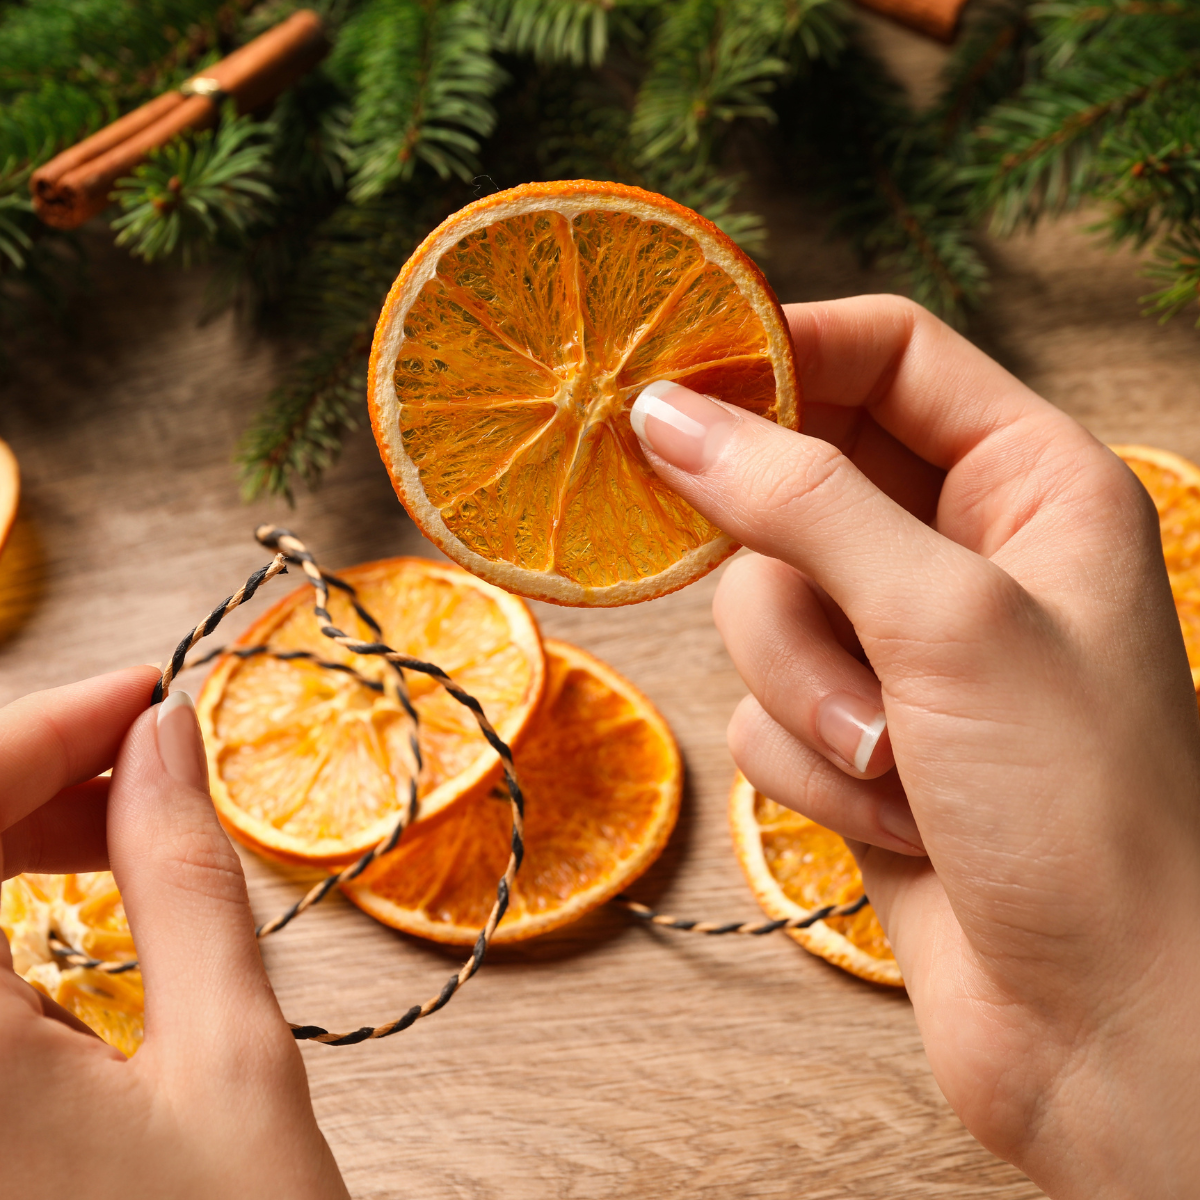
[(793, 866), (602, 778), (85, 912), (508, 354), (307, 765)]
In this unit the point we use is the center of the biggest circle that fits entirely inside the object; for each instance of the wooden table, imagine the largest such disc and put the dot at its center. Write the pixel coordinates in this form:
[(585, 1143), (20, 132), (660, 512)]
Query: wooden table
[(611, 1061)]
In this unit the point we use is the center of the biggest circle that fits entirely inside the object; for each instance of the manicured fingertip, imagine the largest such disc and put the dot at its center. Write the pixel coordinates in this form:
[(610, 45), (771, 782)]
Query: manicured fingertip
[(180, 745), (855, 730), (682, 427)]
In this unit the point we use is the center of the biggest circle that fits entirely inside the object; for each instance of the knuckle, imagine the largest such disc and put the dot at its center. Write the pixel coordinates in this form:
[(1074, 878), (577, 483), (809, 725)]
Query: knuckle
[(782, 485), (983, 604), (203, 863)]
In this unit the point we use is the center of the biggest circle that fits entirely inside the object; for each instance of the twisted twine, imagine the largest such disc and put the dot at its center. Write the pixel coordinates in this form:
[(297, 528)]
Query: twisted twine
[(289, 548)]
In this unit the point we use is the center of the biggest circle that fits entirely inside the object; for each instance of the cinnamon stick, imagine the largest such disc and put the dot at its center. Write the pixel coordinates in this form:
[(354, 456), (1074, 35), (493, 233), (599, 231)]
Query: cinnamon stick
[(936, 18), (75, 185)]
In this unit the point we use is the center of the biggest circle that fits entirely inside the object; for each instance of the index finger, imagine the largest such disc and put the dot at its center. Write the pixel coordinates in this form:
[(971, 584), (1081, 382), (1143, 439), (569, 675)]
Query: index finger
[(50, 740)]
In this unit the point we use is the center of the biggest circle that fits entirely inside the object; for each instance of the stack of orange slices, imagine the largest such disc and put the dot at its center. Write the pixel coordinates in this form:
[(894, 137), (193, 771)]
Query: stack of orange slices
[(310, 765)]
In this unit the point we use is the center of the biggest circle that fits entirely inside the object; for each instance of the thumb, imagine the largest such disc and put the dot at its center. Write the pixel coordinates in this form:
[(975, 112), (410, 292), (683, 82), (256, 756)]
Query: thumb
[(184, 890)]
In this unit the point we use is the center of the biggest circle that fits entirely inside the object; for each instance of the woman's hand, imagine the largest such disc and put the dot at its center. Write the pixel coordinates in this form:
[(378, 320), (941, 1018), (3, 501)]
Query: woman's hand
[(951, 550), (216, 1101)]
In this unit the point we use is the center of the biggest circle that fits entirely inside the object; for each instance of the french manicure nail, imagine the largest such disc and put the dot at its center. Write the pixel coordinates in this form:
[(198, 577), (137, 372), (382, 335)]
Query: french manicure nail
[(851, 727), (682, 426), (180, 745)]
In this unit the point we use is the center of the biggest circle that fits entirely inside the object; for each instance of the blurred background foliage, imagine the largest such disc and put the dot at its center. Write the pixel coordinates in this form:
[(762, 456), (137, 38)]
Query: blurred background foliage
[(306, 211)]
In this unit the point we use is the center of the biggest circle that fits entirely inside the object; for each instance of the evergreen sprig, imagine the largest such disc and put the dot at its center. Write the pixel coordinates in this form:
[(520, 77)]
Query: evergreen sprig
[(422, 76), (15, 242), (194, 189), (554, 31), (1036, 153), (69, 66), (333, 309)]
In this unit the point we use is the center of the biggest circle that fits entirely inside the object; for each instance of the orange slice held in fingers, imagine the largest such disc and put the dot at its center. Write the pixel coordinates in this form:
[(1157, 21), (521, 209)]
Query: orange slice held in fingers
[(508, 354), (794, 865), (1174, 486), (602, 778), (307, 765), (85, 913)]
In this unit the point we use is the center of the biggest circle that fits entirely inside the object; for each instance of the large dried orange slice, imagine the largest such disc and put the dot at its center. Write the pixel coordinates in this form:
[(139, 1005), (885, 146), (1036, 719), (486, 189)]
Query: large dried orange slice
[(84, 912), (1174, 486), (505, 362), (602, 778), (10, 491), (308, 765), (793, 866)]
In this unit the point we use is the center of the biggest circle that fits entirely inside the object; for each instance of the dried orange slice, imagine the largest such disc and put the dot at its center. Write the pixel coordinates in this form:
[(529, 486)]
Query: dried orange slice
[(505, 362), (793, 866), (10, 491), (309, 766), (602, 778), (1174, 486), (85, 912)]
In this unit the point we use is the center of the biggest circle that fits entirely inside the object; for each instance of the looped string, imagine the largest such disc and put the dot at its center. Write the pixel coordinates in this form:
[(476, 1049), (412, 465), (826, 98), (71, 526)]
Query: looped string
[(289, 548)]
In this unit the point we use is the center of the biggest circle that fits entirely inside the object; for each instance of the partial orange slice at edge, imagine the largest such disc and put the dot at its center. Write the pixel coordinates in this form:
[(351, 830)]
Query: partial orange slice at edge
[(1174, 485), (10, 491), (85, 912), (793, 866)]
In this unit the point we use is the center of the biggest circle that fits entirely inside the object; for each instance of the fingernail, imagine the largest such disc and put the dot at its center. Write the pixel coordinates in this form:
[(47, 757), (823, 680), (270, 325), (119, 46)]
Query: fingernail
[(682, 426), (896, 817), (180, 745), (851, 727)]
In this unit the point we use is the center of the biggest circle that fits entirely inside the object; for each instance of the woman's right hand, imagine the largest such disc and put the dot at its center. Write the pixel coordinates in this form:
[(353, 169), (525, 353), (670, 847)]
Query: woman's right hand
[(959, 555)]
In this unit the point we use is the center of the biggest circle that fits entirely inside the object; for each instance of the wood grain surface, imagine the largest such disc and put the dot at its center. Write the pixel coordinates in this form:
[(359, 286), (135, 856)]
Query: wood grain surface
[(611, 1060)]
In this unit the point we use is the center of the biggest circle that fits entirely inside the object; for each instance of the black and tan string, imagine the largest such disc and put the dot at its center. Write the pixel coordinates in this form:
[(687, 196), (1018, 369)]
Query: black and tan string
[(289, 548)]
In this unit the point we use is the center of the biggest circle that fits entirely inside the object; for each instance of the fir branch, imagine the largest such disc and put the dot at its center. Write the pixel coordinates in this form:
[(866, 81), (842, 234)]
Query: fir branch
[(1152, 163), (897, 195), (1178, 262), (554, 31), (300, 430), (712, 62), (15, 242), (987, 65), (1036, 153), (334, 305), (193, 189), (36, 124), (803, 31), (68, 66), (423, 77)]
